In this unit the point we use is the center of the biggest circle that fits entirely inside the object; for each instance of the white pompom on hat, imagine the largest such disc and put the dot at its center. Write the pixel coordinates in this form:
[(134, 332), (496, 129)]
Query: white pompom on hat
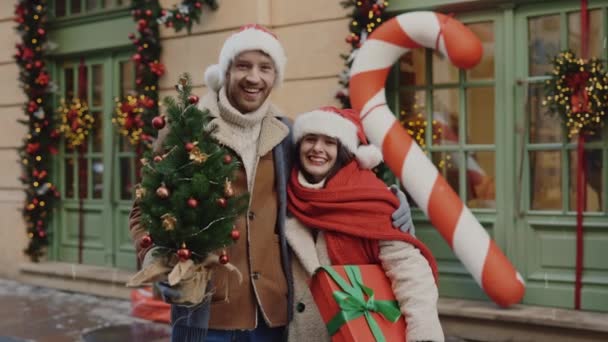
[(342, 124), (251, 37)]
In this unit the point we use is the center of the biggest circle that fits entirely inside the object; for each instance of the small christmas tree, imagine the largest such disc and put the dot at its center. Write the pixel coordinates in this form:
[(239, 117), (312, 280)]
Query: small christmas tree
[(186, 197)]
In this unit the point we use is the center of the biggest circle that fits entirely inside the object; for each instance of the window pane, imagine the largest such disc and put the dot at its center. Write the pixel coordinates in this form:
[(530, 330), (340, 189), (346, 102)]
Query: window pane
[(97, 84), (83, 176), (595, 33), (545, 180), (412, 67), (97, 178), (97, 132), (543, 43), (485, 68), (127, 78), (69, 178), (447, 164), (123, 144), (481, 186), (480, 115), (443, 70), (90, 4), (69, 84), (75, 6), (595, 182), (83, 83), (59, 8), (445, 117), (544, 127), (413, 114), (126, 180)]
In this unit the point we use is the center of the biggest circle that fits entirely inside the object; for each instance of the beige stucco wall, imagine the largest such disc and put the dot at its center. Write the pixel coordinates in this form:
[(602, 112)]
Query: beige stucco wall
[(312, 33), (12, 228)]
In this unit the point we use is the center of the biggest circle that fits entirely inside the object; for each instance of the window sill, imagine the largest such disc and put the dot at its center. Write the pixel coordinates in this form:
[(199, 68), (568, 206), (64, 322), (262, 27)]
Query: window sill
[(527, 315)]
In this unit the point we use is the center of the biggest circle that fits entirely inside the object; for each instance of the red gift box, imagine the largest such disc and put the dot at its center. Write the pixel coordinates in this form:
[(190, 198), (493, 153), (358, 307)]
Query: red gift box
[(360, 290), (144, 305)]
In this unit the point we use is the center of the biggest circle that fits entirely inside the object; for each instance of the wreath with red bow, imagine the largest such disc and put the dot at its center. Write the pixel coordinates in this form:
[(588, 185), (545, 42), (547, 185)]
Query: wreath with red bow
[(577, 92)]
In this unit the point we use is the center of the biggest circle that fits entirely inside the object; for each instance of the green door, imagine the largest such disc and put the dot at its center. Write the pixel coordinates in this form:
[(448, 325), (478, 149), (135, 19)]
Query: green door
[(545, 220), (96, 184)]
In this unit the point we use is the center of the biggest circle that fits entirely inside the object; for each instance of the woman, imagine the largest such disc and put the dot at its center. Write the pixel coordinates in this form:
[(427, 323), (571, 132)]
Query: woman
[(341, 215)]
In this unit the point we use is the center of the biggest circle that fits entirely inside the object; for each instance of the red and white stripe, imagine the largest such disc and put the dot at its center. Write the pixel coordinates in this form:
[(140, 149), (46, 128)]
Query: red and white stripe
[(455, 222)]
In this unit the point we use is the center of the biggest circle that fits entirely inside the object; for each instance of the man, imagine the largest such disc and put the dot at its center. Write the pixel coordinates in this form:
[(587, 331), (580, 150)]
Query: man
[(251, 64)]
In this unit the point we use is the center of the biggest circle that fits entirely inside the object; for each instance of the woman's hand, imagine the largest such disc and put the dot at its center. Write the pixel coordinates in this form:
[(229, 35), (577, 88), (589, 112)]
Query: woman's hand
[(402, 217)]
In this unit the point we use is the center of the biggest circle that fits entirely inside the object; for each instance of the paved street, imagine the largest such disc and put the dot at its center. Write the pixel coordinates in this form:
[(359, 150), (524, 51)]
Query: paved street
[(30, 313)]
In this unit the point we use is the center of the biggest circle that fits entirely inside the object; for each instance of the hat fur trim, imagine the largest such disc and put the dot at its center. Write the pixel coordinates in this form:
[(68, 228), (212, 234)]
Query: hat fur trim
[(327, 123)]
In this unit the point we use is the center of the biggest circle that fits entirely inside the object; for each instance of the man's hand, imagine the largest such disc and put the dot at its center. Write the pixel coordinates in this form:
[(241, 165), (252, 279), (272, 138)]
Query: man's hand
[(402, 217), (168, 294)]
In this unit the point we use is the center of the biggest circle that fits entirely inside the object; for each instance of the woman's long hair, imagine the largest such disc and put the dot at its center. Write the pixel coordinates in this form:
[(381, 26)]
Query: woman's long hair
[(343, 157)]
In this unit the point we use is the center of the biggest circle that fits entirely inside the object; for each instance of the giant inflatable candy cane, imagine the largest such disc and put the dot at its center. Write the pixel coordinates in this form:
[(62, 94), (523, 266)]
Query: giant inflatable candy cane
[(469, 241)]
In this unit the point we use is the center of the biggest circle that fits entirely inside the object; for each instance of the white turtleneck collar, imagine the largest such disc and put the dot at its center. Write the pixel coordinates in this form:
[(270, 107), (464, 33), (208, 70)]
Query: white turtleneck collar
[(302, 180)]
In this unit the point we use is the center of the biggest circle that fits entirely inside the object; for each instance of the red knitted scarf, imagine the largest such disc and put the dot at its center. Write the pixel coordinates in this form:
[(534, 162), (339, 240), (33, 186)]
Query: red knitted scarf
[(354, 211)]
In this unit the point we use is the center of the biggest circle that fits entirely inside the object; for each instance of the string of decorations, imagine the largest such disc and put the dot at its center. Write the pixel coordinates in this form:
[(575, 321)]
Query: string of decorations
[(577, 92), (366, 16), (41, 139)]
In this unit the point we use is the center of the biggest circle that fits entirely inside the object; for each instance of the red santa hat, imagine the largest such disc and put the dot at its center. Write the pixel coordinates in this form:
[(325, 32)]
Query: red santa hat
[(250, 37), (342, 124)]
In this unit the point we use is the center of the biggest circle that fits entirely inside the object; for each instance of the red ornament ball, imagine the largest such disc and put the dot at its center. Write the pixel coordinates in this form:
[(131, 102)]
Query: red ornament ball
[(158, 159), (235, 234), (145, 242), (198, 5), (158, 122), (222, 202), (136, 58), (224, 259), (227, 159), (184, 254), (192, 202), (41, 32), (162, 192), (42, 234), (189, 146), (193, 99), (141, 24), (149, 13)]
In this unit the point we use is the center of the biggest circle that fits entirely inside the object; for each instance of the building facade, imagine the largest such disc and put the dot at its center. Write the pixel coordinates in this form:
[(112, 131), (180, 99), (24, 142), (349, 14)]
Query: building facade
[(486, 129)]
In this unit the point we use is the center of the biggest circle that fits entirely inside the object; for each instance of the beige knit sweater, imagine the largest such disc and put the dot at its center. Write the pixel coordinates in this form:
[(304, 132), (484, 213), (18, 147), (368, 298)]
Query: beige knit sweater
[(411, 278)]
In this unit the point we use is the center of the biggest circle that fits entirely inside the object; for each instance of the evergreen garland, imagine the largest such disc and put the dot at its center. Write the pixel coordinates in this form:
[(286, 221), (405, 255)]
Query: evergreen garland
[(41, 140), (366, 16)]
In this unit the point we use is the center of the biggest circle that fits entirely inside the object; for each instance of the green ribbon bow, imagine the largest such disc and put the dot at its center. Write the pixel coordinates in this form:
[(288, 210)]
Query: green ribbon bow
[(352, 303)]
